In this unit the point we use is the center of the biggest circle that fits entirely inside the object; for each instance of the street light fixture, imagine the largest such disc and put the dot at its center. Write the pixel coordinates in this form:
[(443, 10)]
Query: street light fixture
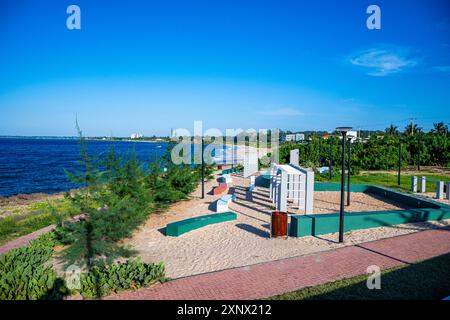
[(343, 131)]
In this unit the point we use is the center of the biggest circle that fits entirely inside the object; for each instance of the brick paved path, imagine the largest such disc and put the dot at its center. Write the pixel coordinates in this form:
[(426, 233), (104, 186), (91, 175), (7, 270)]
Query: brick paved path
[(24, 240), (276, 277)]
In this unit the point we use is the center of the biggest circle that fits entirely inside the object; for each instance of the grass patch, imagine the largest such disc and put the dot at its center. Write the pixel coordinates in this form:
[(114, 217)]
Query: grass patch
[(37, 216), (388, 180), (426, 280)]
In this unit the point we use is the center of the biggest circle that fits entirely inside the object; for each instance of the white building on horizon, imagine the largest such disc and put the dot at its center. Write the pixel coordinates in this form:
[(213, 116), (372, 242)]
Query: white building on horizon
[(295, 137), (136, 136)]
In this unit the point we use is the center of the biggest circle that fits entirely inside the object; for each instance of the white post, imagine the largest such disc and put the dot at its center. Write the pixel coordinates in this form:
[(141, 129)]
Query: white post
[(297, 188), (274, 189), (440, 190), (282, 194), (250, 163), (309, 192), (272, 182), (414, 184), (423, 184), (294, 157), (448, 190)]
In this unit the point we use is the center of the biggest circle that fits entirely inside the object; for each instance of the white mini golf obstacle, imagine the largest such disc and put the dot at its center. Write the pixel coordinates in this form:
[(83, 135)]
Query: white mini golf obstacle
[(439, 187), (292, 184)]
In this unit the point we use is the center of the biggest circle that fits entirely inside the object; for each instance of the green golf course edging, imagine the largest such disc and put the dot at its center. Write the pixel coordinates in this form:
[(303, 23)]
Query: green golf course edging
[(231, 170), (422, 210), (176, 229)]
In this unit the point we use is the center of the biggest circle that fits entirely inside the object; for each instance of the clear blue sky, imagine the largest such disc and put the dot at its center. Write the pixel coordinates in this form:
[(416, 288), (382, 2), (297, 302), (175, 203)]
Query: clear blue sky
[(148, 66)]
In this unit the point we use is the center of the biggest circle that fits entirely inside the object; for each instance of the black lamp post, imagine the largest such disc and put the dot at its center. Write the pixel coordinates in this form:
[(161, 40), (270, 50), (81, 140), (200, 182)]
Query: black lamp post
[(399, 160), (348, 169), (203, 169), (330, 171), (320, 151), (343, 131)]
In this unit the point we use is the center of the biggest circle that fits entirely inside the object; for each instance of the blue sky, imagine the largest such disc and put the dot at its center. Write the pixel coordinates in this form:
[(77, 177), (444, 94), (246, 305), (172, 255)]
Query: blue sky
[(149, 66)]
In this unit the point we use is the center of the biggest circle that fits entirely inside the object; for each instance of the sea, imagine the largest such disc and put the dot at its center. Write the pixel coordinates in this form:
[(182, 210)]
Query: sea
[(40, 165)]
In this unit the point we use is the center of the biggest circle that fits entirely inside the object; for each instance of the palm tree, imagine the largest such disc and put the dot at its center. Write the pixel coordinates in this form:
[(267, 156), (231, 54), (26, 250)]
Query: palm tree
[(392, 130), (440, 129), (412, 128)]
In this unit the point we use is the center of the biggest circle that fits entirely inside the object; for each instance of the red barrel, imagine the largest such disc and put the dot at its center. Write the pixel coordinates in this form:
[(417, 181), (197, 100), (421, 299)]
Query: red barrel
[(279, 224)]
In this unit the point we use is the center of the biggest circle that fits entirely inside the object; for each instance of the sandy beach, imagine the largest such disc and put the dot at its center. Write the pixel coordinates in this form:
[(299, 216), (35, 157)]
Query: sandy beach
[(246, 240)]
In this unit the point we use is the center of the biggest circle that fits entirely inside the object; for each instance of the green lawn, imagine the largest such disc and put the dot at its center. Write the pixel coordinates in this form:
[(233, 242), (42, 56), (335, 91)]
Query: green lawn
[(426, 280), (389, 180), (33, 217)]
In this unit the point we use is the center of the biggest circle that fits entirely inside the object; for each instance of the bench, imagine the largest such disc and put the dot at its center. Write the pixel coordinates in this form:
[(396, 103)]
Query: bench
[(178, 228), (221, 188)]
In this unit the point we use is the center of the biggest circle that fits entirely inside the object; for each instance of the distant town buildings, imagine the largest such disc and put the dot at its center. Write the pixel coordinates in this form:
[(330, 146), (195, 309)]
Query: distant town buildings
[(295, 137), (136, 136)]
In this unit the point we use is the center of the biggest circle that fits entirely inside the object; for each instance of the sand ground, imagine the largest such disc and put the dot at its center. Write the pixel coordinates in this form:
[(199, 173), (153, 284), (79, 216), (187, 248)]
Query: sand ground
[(246, 240)]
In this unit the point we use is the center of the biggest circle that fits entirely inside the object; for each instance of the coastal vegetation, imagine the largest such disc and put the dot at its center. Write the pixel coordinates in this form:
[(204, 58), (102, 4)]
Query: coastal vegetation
[(27, 274), (380, 151), (118, 195), (19, 220), (388, 179)]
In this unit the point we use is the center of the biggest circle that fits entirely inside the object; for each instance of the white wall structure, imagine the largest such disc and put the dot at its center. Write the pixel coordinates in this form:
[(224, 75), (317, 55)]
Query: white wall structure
[(250, 163), (293, 184), (294, 157)]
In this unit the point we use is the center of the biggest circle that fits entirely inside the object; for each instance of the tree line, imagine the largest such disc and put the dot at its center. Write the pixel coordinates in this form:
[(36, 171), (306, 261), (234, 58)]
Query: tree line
[(379, 151)]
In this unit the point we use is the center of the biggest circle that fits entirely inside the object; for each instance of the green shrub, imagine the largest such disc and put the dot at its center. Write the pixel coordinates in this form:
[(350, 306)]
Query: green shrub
[(133, 274), (24, 274)]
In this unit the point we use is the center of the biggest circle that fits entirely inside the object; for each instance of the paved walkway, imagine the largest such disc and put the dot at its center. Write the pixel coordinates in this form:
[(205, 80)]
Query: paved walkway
[(24, 240), (276, 277)]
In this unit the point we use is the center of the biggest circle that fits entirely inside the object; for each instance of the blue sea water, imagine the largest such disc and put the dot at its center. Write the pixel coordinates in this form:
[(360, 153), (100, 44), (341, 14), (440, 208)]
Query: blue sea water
[(31, 165)]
